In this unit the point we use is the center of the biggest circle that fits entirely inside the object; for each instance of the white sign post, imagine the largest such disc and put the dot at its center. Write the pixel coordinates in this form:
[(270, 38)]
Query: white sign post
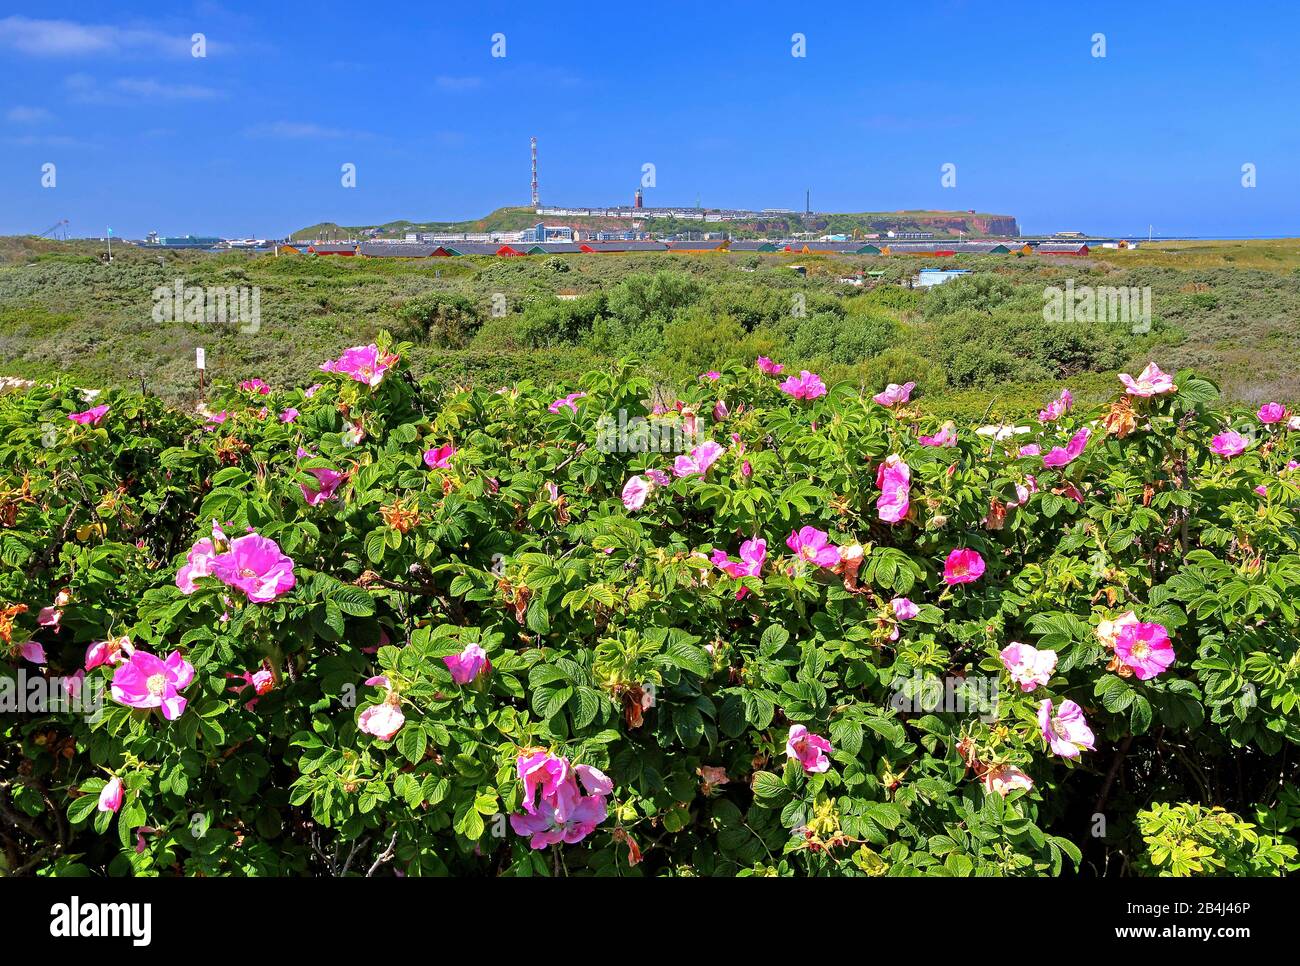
[(201, 364)]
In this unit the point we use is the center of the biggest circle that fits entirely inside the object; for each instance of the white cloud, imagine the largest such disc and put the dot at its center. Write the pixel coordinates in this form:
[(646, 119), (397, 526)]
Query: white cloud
[(301, 130), (125, 90), (67, 38), (27, 115)]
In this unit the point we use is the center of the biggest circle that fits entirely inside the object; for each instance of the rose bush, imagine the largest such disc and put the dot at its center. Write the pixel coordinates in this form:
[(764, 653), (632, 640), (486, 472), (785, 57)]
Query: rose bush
[(375, 627)]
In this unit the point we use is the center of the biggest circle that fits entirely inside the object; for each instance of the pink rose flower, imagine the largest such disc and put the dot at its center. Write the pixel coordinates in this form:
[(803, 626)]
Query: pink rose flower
[(198, 563), (145, 681), (699, 460), (768, 367), (753, 553), (570, 401), (813, 546), (658, 477), (468, 664), (1029, 449), (550, 823), (635, 491), (384, 720), (362, 363), (1024, 491), (1108, 630), (261, 681), (1144, 648), (555, 809), (1073, 450), (1057, 408), (894, 394), (808, 749), (115, 650), (352, 435), (439, 458), (255, 386), (963, 566), (1003, 779), (91, 417), (595, 781), (1152, 382), (806, 385), (110, 796), (327, 484), (904, 609), (289, 415), (1066, 731), (255, 565), (1271, 413), (947, 436), (1029, 667), (1229, 444), (1072, 492), (712, 375), (32, 651), (542, 774), (894, 479)]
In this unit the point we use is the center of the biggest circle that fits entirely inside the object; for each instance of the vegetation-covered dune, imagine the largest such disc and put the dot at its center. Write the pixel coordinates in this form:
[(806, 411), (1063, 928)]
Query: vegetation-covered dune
[(975, 345)]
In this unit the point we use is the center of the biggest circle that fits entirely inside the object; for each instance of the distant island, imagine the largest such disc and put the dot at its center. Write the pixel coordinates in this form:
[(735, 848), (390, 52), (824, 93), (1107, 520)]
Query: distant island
[(655, 221)]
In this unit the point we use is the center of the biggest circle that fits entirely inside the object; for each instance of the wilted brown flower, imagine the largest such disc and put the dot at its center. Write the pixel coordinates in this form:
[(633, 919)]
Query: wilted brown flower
[(231, 450), (636, 700), (1120, 420), (7, 615), (516, 596), (400, 517), (851, 557)]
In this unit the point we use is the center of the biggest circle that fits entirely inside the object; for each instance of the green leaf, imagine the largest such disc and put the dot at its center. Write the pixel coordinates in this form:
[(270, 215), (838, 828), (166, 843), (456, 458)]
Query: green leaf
[(689, 657), (411, 742), (353, 601)]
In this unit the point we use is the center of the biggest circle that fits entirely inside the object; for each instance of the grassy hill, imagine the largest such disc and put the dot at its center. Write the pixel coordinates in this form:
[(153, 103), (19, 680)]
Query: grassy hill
[(503, 219), (942, 224)]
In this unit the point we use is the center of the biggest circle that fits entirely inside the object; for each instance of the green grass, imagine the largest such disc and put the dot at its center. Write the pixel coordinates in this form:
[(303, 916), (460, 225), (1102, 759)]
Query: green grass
[(1227, 309)]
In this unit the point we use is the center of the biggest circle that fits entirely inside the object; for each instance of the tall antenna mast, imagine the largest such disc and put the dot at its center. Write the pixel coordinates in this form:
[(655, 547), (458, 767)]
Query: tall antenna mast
[(537, 198)]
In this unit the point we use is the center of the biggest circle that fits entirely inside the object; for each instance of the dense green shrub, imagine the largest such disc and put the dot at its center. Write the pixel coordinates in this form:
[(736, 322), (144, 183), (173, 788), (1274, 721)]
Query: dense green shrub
[(636, 628)]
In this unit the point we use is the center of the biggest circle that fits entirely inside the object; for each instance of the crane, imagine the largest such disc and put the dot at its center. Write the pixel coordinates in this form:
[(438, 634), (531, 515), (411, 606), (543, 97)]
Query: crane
[(53, 228)]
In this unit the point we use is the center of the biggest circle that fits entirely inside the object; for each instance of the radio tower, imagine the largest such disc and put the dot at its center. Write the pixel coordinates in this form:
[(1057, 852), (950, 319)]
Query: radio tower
[(537, 199)]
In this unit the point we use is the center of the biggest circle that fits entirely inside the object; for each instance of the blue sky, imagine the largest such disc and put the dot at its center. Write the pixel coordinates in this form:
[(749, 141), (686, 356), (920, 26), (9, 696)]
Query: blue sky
[(250, 139)]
